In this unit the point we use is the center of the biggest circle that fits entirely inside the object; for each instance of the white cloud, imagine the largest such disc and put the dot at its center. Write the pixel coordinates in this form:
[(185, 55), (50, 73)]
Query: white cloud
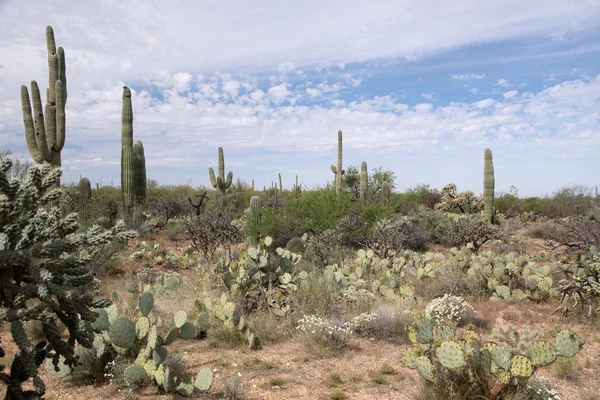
[(429, 96), (510, 94), (232, 87), (467, 77), (279, 93), (503, 83), (485, 103), (313, 92)]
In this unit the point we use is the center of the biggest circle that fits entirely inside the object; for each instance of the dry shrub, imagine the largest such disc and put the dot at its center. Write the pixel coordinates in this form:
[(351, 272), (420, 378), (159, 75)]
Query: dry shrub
[(210, 230)]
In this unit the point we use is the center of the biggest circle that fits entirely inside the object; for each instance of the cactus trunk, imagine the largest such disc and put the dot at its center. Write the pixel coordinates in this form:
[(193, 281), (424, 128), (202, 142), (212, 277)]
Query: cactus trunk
[(139, 168), (338, 171), (488, 186), (127, 158), (364, 175), (385, 192)]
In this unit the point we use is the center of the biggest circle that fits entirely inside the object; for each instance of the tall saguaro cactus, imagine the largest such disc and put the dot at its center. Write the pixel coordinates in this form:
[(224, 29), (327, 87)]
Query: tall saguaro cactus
[(338, 171), (364, 176), (488, 186), (45, 134), (127, 158), (220, 182)]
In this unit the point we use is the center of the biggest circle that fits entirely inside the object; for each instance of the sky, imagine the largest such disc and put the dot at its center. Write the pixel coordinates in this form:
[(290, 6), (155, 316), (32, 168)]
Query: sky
[(418, 87)]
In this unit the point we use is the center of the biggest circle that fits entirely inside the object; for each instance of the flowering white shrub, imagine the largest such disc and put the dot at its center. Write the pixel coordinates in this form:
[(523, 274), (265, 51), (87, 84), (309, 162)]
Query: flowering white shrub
[(449, 308), (542, 389), (323, 333)]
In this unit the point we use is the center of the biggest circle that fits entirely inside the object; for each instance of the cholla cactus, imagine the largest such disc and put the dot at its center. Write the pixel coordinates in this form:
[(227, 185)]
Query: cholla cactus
[(44, 274), (466, 201)]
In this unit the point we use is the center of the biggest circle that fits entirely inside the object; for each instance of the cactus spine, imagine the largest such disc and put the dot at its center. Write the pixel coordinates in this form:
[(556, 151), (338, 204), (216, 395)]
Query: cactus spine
[(338, 171), (45, 136), (364, 175), (127, 163), (220, 182), (488, 186)]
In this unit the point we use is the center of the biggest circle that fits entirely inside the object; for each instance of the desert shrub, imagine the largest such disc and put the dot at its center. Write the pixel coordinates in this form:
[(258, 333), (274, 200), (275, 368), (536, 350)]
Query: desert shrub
[(169, 207), (317, 296), (324, 336), (392, 235), (387, 322), (410, 199), (210, 230), (473, 229), (577, 233), (173, 230), (435, 223), (449, 308), (508, 204)]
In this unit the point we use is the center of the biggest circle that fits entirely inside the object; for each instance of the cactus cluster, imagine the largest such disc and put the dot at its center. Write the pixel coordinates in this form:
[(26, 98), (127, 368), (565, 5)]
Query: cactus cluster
[(466, 202), (139, 344), (383, 277), (45, 134), (220, 182), (231, 316), (133, 164), (45, 273), (440, 357), (508, 277), (581, 286), (263, 268)]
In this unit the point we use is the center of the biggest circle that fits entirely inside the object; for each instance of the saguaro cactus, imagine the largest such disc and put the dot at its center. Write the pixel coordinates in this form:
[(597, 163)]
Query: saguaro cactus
[(385, 192), (45, 135), (338, 171), (488, 186), (127, 163), (139, 173), (364, 176), (220, 182)]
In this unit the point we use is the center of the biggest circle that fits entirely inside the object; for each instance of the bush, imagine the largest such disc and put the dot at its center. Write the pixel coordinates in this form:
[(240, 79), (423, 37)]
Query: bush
[(435, 223), (473, 229), (209, 230), (449, 308), (392, 235), (324, 336)]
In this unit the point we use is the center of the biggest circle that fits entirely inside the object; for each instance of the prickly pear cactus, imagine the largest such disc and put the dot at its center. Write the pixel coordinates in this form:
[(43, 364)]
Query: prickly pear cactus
[(495, 365)]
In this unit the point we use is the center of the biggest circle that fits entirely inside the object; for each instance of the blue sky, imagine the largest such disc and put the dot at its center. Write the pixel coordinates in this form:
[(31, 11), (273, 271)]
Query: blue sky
[(420, 88)]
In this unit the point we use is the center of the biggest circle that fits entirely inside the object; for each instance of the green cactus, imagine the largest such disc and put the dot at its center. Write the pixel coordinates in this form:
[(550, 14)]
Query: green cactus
[(146, 303), (136, 375), (122, 333), (297, 189), (220, 182), (364, 177), (385, 192), (488, 186), (204, 379), (338, 171), (451, 355), (127, 158), (85, 194), (494, 365), (54, 285), (45, 135), (180, 318), (139, 173)]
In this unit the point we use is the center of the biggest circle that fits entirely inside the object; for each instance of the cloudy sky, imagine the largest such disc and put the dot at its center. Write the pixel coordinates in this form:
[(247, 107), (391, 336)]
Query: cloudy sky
[(420, 87)]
